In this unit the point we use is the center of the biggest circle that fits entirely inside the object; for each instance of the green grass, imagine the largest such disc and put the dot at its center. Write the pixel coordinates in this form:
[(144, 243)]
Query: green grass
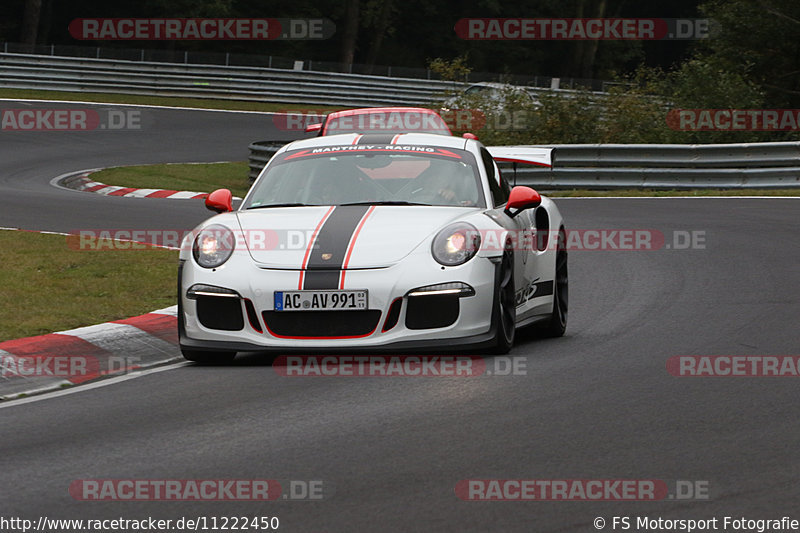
[(204, 177), (48, 286), (236, 105)]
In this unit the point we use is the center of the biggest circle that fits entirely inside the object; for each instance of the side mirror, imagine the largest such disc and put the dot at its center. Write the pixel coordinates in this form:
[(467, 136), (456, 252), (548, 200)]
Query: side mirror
[(469, 135), (314, 127), (220, 201), (520, 199)]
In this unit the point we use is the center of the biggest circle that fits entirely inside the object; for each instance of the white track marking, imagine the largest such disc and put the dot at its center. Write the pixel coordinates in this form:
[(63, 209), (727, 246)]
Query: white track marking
[(171, 310), (151, 106), (37, 231), (90, 386)]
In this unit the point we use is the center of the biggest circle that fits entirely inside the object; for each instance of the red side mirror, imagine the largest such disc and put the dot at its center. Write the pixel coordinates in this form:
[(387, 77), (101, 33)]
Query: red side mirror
[(469, 135), (313, 127), (520, 199), (220, 201)]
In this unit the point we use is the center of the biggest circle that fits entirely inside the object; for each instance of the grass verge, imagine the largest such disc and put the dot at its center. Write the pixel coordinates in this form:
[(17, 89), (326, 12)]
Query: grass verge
[(53, 287), (170, 101), (204, 177)]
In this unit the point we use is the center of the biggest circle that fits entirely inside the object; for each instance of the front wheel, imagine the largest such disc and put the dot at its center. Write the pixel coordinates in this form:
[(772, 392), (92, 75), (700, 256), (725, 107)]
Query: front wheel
[(208, 358), (504, 310)]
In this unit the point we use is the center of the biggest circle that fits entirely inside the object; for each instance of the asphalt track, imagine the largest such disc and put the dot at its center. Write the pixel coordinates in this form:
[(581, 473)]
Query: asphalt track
[(596, 404)]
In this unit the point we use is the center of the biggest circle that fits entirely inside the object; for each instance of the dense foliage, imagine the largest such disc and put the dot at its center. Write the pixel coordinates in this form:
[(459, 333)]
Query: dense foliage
[(750, 62)]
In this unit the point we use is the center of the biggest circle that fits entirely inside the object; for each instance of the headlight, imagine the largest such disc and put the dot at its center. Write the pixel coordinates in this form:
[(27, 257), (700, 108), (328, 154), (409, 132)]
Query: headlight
[(456, 244), (213, 246)]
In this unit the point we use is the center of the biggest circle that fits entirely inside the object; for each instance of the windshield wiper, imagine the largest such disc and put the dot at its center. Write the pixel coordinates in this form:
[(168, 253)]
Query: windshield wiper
[(385, 202), (296, 204)]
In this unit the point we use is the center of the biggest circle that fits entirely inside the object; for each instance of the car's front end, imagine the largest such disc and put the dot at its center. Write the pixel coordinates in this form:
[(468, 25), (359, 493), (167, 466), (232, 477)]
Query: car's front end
[(412, 300)]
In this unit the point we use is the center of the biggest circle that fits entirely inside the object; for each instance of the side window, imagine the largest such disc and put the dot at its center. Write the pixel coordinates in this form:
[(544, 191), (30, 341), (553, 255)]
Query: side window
[(499, 192), (503, 183)]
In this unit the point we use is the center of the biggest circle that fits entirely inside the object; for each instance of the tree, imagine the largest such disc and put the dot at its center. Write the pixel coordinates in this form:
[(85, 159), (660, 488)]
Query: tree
[(349, 33), (586, 51), (760, 41), (30, 21), (378, 21)]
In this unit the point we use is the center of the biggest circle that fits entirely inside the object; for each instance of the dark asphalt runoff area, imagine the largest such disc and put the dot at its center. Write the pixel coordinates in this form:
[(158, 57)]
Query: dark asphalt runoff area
[(597, 404)]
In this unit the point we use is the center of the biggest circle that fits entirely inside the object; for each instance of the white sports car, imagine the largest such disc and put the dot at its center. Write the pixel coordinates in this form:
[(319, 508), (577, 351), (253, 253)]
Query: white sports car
[(375, 241)]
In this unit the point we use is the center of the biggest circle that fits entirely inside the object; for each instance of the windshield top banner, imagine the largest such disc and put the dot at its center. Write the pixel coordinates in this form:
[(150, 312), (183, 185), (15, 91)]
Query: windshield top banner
[(397, 148)]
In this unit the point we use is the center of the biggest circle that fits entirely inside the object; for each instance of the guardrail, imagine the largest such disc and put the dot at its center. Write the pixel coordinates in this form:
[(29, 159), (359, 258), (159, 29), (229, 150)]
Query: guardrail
[(610, 166), (197, 57), (673, 166), (226, 82), (22, 71), (260, 153)]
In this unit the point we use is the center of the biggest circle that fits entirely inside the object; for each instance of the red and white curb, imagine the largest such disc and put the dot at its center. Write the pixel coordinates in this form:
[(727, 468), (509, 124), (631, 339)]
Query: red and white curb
[(82, 182), (50, 362)]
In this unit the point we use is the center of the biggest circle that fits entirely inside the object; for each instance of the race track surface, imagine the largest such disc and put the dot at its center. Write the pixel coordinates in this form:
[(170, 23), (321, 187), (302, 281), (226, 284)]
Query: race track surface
[(596, 404)]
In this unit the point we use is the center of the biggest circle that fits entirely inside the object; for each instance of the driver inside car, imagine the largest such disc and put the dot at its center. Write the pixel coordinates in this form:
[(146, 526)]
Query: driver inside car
[(340, 183), (443, 184)]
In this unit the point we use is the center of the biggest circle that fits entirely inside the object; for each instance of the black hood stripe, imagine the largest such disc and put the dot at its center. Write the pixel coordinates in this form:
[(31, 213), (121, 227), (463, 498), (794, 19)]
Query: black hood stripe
[(329, 249)]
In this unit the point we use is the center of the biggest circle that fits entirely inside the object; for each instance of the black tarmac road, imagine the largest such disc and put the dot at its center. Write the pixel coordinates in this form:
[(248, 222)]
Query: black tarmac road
[(389, 452)]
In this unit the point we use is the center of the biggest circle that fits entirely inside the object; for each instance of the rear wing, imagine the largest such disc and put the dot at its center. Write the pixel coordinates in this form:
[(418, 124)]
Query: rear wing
[(528, 155)]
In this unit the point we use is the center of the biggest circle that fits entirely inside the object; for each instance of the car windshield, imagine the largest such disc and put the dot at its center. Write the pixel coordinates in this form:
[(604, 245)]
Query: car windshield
[(389, 121), (480, 89), (350, 174)]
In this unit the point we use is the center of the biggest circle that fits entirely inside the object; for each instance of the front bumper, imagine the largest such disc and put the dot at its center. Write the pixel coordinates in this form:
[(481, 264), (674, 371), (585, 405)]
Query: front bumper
[(381, 327)]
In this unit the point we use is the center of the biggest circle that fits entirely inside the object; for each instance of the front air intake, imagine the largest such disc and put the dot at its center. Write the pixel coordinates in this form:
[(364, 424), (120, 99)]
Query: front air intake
[(220, 312)]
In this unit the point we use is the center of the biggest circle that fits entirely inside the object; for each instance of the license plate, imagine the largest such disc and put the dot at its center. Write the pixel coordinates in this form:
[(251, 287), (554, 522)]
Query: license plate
[(320, 300)]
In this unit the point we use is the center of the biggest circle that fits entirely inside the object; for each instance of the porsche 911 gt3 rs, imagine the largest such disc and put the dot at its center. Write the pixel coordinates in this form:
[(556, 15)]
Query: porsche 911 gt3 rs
[(375, 241)]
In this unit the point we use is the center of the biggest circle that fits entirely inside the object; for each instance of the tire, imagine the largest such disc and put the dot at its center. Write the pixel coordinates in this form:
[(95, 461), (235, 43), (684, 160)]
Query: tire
[(208, 358), (557, 324), (504, 310)]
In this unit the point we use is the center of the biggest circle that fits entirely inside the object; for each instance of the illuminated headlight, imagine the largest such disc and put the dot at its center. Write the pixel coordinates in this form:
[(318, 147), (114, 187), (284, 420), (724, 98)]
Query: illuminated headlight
[(213, 246), (456, 244)]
